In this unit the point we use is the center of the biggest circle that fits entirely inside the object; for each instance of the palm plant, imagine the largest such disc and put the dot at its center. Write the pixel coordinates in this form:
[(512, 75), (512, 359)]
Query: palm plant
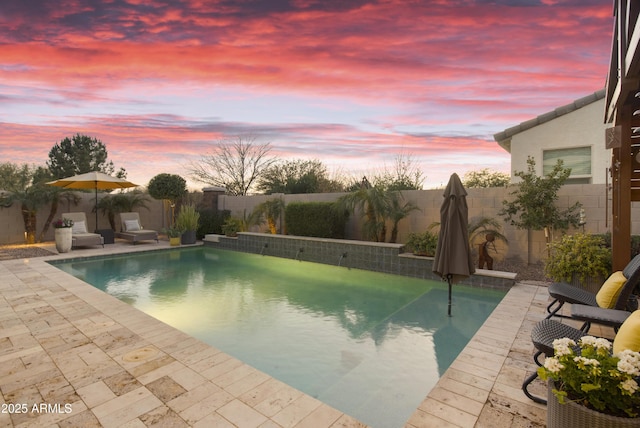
[(374, 203), (272, 210), (398, 211), (480, 226), (485, 226), (110, 205), (31, 199), (26, 185), (55, 195)]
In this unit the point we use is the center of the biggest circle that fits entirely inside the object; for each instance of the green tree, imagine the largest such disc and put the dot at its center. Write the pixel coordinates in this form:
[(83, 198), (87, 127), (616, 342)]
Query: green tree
[(534, 201), (169, 188), (405, 175), (485, 178), (297, 176), (78, 155), (235, 165)]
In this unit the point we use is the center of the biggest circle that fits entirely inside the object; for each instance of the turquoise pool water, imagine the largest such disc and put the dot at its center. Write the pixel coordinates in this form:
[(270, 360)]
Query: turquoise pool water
[(371, 345)]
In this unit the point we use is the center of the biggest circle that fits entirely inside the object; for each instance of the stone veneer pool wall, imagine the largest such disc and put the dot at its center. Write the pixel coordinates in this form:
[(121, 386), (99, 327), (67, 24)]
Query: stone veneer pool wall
[(374, 256)]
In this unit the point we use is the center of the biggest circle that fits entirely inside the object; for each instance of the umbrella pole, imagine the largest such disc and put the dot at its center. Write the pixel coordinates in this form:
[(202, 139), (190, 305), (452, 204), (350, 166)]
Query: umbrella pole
[(96, 207), (449, 276)]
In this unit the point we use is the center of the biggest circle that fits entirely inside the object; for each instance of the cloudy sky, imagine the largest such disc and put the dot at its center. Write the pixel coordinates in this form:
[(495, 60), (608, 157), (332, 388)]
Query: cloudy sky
[(353, 83)]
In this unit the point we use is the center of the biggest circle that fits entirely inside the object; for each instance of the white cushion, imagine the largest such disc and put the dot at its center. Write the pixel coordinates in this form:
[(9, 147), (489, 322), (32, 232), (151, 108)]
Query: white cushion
[(79, 227), (131, 225)]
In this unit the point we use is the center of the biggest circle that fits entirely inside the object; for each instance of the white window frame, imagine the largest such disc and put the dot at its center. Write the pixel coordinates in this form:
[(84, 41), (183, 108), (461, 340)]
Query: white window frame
[(571, 158)]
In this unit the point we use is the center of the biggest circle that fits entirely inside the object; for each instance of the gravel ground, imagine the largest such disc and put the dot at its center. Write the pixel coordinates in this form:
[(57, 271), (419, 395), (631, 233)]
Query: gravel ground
[(534, 272), (19, 251)]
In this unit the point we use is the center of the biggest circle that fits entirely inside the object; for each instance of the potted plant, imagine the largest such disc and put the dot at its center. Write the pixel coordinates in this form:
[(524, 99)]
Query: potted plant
[(63, 234), (232, 226), (187, 220), (174, 234), (589, 383), (423, 244), (581, 259)]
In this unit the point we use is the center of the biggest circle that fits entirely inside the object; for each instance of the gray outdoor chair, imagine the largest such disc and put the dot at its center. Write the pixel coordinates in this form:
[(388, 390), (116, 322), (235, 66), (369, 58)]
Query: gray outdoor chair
[(132, 230), (80, 237), (562, 293)]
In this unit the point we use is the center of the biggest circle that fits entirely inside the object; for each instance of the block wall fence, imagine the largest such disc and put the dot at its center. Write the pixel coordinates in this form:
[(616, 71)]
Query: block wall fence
[(523, 245), (528, 246)]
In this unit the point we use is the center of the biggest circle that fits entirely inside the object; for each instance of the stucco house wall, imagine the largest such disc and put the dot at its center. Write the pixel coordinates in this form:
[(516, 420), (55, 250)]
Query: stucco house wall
[(579, 124)]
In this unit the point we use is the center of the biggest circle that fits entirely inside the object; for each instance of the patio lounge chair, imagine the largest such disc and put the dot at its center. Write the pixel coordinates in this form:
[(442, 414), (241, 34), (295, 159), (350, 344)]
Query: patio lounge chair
[(615, 293), (546, 331), (80, 237), (132, 230)]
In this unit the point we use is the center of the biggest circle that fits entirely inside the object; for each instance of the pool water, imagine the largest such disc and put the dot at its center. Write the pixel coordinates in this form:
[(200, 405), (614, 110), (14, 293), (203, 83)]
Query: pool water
[(369, 344)]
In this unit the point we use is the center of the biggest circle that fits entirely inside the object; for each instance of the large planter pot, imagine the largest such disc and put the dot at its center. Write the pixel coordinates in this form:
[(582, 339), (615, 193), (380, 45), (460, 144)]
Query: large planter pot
[(174, 241), (572, 415), (189, 237), (63, 239)]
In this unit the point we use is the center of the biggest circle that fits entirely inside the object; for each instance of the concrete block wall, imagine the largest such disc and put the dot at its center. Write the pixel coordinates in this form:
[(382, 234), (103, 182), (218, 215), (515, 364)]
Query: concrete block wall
[(527, 246)]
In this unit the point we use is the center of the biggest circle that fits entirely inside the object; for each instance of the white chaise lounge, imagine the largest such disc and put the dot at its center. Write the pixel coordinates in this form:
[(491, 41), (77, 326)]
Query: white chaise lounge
[(132, 230), (80, 236)]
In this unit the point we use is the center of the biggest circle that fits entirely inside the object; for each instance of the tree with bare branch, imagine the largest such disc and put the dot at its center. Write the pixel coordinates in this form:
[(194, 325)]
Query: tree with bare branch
[(233, 164)]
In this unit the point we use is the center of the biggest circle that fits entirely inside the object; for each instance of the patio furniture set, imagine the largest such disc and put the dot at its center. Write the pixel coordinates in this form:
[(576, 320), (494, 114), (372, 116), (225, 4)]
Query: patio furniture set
[(130, 230)]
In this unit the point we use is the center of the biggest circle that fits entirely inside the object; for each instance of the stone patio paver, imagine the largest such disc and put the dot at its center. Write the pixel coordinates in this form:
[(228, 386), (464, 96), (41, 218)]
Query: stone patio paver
[(65, 342)]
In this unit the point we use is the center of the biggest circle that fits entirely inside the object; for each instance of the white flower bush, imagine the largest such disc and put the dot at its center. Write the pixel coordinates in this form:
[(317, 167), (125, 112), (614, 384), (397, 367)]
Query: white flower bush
[(587, 373)]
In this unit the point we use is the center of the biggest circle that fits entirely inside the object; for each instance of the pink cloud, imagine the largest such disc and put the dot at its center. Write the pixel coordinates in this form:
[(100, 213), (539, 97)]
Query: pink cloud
[(439, 77)]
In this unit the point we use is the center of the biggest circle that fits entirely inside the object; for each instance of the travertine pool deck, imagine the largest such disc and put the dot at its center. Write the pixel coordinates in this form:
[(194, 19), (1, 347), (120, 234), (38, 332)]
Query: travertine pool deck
[(71, 355)]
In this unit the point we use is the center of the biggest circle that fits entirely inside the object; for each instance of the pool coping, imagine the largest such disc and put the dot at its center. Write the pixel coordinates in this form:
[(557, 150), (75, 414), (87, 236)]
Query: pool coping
[(481, 386)]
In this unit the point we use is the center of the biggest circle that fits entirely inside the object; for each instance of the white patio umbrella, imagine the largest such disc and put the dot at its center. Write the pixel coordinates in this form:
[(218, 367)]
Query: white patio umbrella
[(452, 260), (93, 180)]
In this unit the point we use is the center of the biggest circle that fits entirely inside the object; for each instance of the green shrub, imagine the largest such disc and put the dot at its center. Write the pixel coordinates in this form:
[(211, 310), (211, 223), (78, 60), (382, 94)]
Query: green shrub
[(423, 244), (231, 226), (581, 254), (317, 219), (211, 221)]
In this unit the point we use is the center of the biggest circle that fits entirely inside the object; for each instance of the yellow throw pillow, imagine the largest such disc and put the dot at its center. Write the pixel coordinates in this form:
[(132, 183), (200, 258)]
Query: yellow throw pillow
[(628, 337), (610, 290)]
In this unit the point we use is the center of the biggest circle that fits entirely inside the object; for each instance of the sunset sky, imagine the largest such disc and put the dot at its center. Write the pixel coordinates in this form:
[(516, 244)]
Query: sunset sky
[(352, 83)]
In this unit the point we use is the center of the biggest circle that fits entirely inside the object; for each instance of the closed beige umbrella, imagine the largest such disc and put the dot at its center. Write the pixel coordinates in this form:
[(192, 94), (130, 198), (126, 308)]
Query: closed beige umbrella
[(453, 256), (94, 180)]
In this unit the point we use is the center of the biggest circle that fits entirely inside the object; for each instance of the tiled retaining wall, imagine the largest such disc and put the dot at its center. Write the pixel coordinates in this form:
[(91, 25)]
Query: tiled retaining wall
[(379, 257)]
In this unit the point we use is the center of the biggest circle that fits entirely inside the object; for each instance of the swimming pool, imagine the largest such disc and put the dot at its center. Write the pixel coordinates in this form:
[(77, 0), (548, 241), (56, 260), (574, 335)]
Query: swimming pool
[(371, 345)]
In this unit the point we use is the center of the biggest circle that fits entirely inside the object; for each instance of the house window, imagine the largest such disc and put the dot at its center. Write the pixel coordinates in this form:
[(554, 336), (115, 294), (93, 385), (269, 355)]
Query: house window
[(576, 158)]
